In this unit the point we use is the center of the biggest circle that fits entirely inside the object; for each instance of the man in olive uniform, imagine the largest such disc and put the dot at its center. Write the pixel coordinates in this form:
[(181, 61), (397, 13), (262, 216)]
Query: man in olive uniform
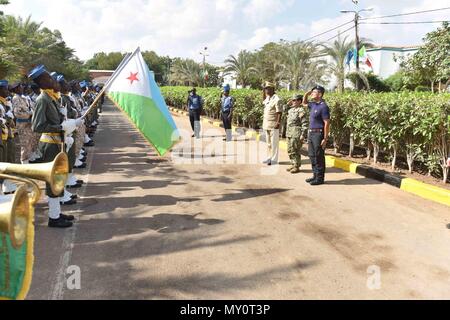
[(296, 132), (271, 122), (48, 121)]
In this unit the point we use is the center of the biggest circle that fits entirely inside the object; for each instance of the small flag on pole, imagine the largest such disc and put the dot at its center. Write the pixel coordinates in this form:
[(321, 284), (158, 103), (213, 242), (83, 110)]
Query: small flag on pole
[(349, 57), (135, 91)]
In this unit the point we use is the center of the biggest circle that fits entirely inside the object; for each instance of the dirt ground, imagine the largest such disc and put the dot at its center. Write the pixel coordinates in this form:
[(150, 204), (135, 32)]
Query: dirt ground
[(197, 224)]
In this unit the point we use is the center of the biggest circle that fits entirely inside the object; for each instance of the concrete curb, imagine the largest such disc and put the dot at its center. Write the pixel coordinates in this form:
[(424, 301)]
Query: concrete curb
[(423, 190)]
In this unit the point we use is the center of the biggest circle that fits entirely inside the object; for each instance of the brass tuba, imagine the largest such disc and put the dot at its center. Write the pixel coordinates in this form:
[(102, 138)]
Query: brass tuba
[(54, 173), (16, 214)]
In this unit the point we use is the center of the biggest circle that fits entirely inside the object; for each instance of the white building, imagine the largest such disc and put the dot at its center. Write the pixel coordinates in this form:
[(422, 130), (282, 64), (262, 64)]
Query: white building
[(385, 62)]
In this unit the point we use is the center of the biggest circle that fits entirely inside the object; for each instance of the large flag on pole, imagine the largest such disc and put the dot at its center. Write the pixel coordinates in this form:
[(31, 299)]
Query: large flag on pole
[(133, 89)]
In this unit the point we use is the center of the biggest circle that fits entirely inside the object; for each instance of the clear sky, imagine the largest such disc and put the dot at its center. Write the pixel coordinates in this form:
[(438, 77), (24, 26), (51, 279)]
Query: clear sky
[(183, 27)]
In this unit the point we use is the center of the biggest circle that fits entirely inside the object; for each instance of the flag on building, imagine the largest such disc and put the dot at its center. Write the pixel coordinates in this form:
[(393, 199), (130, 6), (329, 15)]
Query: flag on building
[(133, 89)]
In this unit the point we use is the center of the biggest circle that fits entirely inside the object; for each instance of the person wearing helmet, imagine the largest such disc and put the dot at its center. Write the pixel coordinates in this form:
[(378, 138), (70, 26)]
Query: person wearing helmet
[(227, 104)]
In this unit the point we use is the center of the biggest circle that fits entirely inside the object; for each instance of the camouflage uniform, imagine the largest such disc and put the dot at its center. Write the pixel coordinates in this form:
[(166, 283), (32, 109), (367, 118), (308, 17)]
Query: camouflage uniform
[(23, 112), (296, 133)]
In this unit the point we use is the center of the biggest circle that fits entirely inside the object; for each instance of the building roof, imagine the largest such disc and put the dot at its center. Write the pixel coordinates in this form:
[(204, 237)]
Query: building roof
[(394, 48)]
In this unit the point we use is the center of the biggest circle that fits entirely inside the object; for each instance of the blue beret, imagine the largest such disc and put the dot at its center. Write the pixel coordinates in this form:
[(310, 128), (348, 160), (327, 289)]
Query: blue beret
[(60, 78), (3, 84), (54, 75), (36, 72), (14, 85), (226, 87), (83, 84)]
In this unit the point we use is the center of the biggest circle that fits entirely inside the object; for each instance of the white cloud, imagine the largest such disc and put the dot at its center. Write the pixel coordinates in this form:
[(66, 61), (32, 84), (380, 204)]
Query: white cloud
[(184, 27)]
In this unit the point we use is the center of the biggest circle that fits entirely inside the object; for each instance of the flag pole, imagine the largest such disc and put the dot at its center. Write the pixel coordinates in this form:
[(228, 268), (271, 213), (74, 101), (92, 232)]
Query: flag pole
[(110, 80)]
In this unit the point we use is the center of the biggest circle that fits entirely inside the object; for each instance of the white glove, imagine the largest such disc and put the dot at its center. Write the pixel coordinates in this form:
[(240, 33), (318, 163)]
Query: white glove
[(79, 122), (10, 114), (3, 121), (69, 126), (69, 142)]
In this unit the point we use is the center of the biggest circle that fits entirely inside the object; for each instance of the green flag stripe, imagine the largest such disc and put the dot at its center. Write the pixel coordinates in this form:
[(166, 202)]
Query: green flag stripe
[(147, 117)]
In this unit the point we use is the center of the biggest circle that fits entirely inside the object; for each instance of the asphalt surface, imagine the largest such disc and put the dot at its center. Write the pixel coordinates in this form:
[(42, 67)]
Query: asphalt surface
[(195, 225)]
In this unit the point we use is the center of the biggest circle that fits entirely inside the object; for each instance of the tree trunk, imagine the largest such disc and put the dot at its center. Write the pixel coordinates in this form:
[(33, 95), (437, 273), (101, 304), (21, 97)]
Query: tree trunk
[(445, 172), (410, 161), (376, 151), (432, 86), (352, 145), (394, 158), (368, 152)]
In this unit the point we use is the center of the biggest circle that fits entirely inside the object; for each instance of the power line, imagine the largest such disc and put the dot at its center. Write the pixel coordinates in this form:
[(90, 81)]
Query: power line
[(325, 32), (340, 33), (405, 14), (406, 22)]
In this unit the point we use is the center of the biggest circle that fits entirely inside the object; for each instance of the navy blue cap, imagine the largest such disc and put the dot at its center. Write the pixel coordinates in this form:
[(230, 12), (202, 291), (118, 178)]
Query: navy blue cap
[(36, 72), (83, 84), (3, 84), (226, 88), (60, 78), (54, 75)]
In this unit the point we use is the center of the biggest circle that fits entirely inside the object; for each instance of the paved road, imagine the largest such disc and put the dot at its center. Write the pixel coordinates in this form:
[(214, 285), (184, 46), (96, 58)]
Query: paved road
[(152, 228)]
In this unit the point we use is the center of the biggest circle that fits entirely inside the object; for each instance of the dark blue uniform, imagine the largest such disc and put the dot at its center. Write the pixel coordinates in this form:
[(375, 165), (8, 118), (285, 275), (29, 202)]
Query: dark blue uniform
[(227, 108), (319, 111), (195, 105)]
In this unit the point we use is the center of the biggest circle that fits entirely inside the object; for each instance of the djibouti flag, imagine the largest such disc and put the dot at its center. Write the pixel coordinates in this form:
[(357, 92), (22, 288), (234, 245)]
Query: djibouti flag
[(133, 89)]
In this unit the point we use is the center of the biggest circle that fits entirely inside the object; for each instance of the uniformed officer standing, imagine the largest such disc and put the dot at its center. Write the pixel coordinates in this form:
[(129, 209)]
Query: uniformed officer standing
[(195, 107), (227, 103), (23, 113), (319, 128), (65, 108), (7, 124), (271, 122), (3, 94), (34, 142), (296, 132), (48, 120)]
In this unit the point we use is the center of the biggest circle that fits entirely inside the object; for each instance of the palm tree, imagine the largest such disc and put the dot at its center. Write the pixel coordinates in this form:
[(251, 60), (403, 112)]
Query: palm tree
[(299, 67), (242, 66), (338, 51), (186, 72)]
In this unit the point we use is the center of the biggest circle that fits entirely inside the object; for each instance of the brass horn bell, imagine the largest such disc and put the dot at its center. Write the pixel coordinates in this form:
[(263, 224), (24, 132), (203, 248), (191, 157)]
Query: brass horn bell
[(54, 173), (15, 216)]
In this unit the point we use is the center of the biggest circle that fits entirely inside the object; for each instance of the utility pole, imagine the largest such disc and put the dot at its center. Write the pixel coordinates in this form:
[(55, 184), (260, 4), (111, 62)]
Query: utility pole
[(357, 48), (204, 53), (357, 38)]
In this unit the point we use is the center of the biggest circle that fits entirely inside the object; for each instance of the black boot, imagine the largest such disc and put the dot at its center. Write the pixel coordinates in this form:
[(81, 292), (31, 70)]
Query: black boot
[(59, 223), (320, 179), (312, 178), (67, 217)]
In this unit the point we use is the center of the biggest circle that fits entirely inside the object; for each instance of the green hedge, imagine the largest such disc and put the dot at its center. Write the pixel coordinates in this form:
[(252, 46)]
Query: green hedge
[(413, 125)]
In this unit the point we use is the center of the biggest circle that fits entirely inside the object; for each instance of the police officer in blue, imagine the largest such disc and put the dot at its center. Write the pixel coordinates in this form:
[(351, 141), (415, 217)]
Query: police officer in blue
[(227, 103), (319, 128), (195, 107)]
